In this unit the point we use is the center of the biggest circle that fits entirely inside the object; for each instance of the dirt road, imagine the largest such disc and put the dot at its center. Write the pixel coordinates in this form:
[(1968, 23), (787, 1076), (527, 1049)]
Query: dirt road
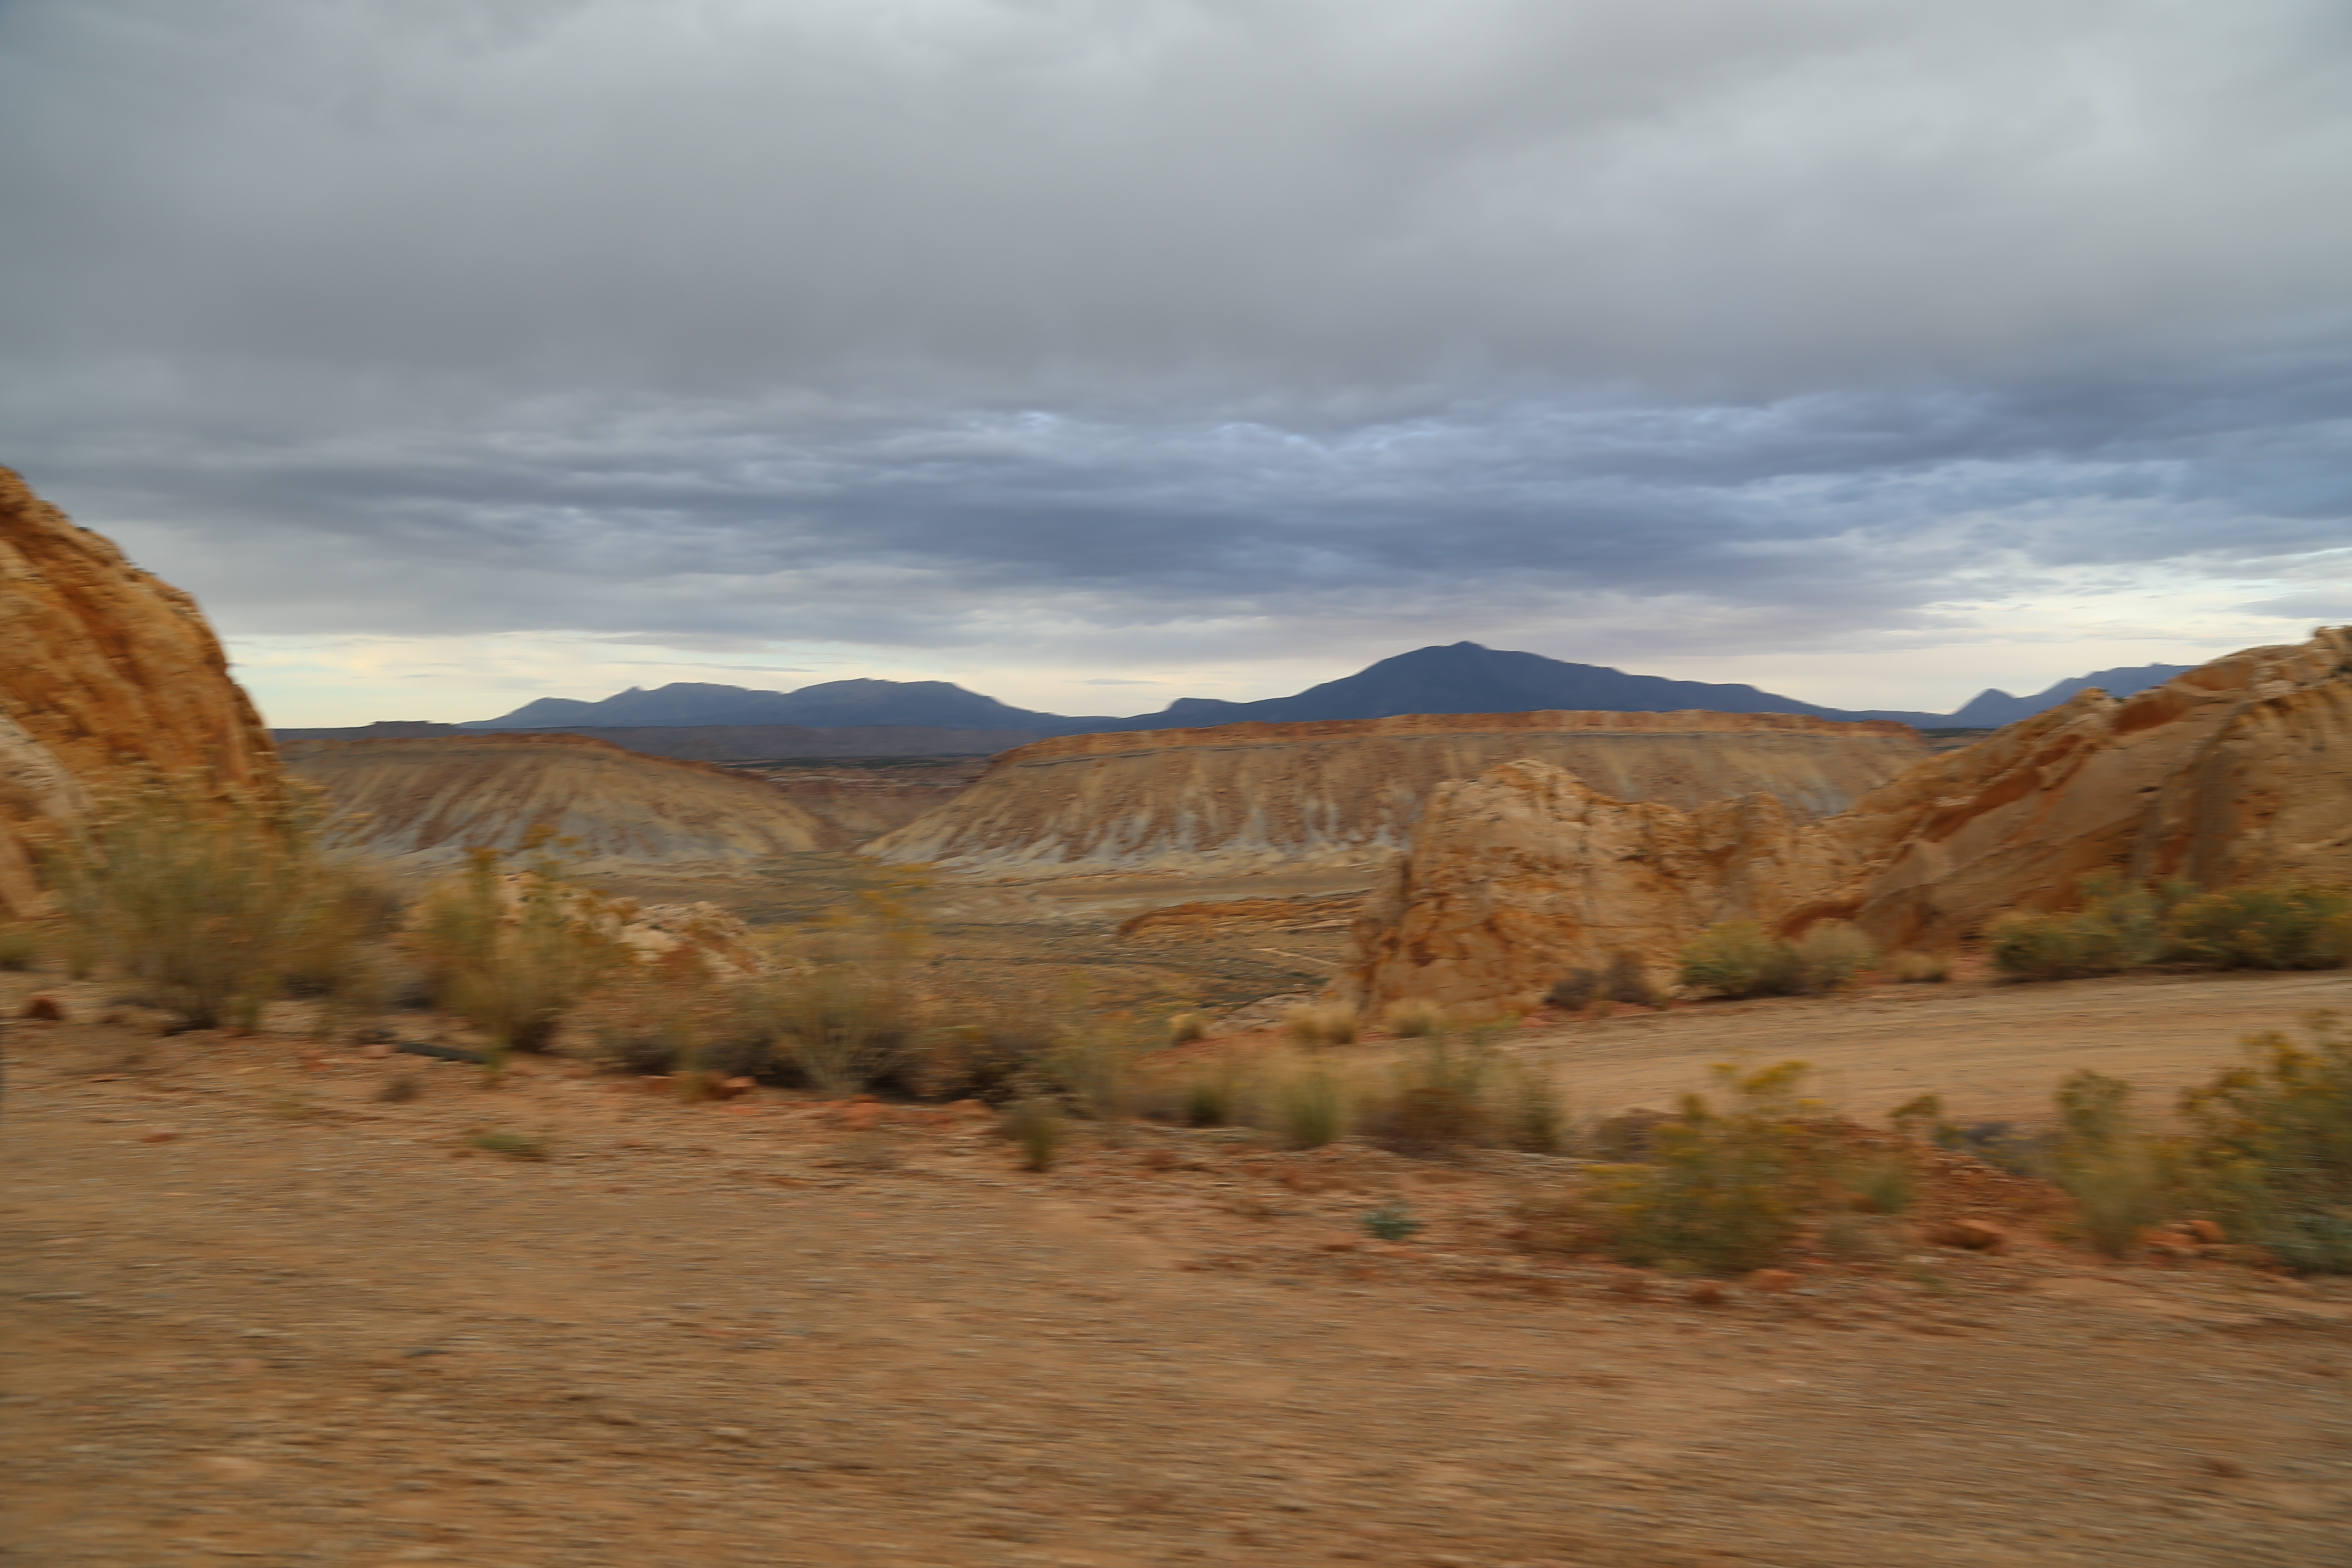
[(252, 1313)]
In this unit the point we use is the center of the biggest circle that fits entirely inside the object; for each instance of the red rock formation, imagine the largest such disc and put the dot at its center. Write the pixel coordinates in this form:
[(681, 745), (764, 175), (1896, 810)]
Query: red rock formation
[(108, 670), (2240, 769)]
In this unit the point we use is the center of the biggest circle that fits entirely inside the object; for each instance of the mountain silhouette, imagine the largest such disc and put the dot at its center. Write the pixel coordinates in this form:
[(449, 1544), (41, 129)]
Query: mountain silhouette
[(1454, 677)]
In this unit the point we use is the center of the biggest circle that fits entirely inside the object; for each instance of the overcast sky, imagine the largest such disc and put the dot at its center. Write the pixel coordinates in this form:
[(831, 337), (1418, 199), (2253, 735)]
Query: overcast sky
[(1092, 352)]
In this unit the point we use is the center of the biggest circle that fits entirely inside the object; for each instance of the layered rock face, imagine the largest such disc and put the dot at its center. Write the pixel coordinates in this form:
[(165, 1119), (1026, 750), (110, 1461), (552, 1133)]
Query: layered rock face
[(425, 802), (1241, 796), (2240, 769), (107, 671)]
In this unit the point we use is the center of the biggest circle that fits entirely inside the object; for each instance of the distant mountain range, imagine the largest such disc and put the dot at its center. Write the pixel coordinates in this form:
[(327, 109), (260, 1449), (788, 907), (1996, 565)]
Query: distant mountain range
[(1459, 678)]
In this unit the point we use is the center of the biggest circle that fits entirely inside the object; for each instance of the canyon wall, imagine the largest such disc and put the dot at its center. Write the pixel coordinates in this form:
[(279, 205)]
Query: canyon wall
[(425, 802), (2240, 769), (1239, 797), (108, 671)]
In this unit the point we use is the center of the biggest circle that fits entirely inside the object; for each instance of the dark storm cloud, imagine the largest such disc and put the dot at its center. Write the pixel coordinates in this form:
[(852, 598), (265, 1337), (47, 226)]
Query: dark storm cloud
[(943, 321)]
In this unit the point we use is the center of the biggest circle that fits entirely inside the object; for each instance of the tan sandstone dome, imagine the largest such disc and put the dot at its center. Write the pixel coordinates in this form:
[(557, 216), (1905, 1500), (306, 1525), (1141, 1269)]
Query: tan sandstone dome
[(107, 671), (1348, 792), (429, 800), (2239, 770)]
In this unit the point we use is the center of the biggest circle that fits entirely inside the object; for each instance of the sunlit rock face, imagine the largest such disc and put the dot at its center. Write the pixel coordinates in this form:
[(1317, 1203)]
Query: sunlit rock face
[(105, 670), (2238, 770)]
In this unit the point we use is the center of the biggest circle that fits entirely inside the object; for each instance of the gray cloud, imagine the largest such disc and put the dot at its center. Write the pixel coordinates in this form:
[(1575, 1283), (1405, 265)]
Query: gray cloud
[(1119, 330)]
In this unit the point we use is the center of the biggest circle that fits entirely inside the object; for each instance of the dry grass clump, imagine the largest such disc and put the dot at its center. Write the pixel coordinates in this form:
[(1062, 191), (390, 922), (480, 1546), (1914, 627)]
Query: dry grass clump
[(1036, 1125), (2122, 926), (512, 1145), (1415, 1018), (511, 948), (1183, 1028), (208, 896), (1624, 979), (1323, 1024), (1302, 1102), (2113, 1173), (21, 947), (1740, 959), (1450, 1096), (1913, 968)]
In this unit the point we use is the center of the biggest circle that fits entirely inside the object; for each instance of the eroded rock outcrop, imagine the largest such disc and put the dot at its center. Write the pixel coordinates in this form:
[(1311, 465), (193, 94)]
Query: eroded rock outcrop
[(434, 800), (1241, 797), (2240, 769), (107, 671), (427, 800)]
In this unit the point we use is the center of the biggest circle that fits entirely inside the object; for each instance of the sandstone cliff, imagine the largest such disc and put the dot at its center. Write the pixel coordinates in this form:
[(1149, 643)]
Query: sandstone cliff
[(2240, 769), (107, 671), (1238, 796), (428, 801)]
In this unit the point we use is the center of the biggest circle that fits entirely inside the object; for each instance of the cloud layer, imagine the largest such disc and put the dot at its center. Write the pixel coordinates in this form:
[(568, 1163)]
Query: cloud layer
[(1115, 343)]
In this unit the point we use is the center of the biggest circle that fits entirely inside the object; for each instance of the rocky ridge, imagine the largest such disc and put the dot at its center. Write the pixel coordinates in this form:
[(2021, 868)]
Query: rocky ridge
[(1348, 792), (427, 800), (110, 672), (2240, 769)]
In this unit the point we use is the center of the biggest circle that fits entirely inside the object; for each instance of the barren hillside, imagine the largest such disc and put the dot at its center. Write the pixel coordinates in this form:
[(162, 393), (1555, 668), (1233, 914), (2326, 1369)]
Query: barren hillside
[(1348, 791), (428, 800)]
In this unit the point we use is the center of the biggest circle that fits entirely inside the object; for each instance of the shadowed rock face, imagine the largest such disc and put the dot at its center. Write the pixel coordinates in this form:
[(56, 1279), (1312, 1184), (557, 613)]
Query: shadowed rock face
[(2238, 770), (1239, 797), (104, 670), (428, 801)]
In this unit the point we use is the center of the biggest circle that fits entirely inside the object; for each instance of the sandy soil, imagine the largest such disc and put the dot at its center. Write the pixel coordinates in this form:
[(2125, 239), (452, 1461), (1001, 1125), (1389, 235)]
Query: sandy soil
[(252, 1313), (1992, 1052)]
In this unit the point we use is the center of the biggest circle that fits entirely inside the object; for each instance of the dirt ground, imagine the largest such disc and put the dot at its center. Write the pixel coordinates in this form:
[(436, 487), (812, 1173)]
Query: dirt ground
[(254, 1312)]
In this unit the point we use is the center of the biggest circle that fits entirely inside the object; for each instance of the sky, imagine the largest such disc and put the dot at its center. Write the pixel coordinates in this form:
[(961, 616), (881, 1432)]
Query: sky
[(1095, 352)]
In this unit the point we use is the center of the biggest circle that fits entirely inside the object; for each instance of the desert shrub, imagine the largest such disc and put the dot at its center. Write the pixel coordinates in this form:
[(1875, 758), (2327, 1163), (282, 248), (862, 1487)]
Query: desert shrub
[(1391, 1222), (1437, 1100), (1724, 1189), (1529, 1111), (2263, 927), (21, 947), (202, 894), (1921, 968), (677, 1013), (1627, 1137), (1329, 1023), (513, 1145), (1627, 980), (1415, 1018), (1740, 959), (1574, 991), (512, 948), (2102, 1160), (1302, 1103), (2272, 1151), (1035, 1125), (1829, 955), (1884, 1184), (1183, 1028), (845, 1012), (1210, 1093), (2122, 927), (1093, 1064)]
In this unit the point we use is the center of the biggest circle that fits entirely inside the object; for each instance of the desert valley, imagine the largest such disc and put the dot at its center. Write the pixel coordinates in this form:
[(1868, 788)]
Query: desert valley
[(1362, 1140)]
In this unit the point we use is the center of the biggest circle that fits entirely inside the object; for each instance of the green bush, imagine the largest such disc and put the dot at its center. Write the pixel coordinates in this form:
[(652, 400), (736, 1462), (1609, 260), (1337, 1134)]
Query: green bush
[(1740, 959), (2272, 1153), (2291, 927), (2113, 1173), (1724, 1188), (206, 895), (1436, 1101), (2121, 927), (512, 949)]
